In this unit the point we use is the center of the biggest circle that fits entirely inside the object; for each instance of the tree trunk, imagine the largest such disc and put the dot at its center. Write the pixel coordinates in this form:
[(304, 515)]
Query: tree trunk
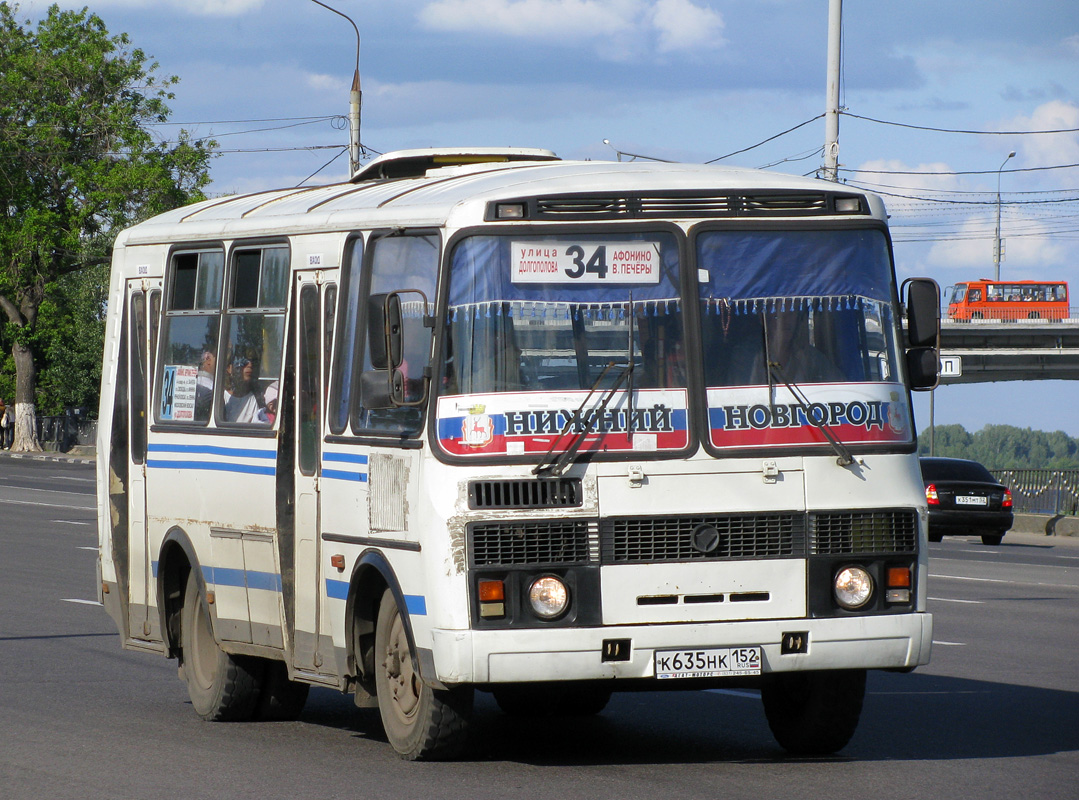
[(25, 415)]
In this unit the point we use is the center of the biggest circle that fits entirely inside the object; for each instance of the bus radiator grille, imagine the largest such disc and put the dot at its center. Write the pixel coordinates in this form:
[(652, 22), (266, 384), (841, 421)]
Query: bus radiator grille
[(851, 532), (532, 542), (703, 537)]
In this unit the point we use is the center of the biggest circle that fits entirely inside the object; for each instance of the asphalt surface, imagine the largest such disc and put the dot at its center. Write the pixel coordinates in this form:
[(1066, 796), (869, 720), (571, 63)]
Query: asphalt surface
[(993, 715)]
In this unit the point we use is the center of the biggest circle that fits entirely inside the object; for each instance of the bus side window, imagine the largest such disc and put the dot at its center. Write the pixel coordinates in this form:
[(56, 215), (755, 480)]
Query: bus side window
[(344, 354), (401, 264), (189, 335), (975, 296), (254, 336)]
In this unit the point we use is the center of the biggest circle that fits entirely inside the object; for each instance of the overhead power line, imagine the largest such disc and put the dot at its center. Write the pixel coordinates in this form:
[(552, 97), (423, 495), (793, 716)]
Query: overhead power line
[(955, 130)]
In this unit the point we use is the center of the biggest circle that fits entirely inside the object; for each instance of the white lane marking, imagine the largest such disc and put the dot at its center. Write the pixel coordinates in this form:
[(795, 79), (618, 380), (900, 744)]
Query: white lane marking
[(950, 644), (88, 548), (953, 600), (72, 522), (1010, 583), (46, 505), (80, 602)]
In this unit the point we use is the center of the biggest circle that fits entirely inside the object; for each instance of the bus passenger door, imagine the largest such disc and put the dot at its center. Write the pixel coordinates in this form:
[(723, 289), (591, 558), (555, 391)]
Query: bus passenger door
[(139, 561), (307, 405)]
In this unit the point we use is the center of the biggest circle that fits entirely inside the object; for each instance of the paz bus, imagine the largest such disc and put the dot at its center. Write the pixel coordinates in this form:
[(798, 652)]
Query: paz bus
[(490, 421), (1007, 300)]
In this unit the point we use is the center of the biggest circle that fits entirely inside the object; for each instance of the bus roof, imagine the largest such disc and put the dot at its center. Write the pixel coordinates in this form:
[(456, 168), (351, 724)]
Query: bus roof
[(458, 194)]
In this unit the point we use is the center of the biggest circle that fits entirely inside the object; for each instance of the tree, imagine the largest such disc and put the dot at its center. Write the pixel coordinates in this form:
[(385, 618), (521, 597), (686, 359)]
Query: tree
[(78, 162)]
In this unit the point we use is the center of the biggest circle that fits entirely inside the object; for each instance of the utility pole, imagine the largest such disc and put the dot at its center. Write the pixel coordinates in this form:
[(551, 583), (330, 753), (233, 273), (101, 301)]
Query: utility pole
[(831, 115), (998, 253)]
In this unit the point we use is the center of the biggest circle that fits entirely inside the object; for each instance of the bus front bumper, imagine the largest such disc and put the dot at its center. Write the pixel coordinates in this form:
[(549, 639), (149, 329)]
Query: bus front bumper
[(899, 641)]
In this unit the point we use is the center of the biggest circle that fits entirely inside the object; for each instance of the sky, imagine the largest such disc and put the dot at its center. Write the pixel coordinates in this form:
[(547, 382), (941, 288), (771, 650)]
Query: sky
[(936, 94)]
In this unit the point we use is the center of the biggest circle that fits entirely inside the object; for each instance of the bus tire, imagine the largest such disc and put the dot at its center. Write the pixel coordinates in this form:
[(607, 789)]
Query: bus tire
[(281, 700), (222, 688), (421, 723), (813, 713), (552, 699)]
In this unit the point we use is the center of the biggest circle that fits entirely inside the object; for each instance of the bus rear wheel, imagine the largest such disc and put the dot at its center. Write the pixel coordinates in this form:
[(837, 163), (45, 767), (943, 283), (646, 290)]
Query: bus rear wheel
[(222, 688), (421, 723), (814, 713)]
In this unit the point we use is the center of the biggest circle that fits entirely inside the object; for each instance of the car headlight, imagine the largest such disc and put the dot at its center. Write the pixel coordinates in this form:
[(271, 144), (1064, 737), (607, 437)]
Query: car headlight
[(853, 587), (549, 597)]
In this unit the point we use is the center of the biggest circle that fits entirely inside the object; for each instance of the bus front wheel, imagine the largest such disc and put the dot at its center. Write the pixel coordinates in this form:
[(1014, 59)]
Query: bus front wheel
[(813, 713), (421, 723), (221, 687)]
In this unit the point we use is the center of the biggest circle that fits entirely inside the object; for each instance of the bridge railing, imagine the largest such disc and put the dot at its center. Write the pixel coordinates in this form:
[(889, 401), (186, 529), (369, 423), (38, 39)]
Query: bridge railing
[(1014, 313), (1042, 491)]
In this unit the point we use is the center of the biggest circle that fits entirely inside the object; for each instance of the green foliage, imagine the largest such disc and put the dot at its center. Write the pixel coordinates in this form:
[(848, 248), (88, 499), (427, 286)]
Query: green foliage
[(1005, 447), (78, 162)]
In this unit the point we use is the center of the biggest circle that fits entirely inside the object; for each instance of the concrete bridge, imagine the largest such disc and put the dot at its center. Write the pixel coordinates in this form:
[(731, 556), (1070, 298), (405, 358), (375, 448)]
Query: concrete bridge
[(983, 350)]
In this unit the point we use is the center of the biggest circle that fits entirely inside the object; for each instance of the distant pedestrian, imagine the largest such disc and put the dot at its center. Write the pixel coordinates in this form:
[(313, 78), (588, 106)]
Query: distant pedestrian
[(7, 425)]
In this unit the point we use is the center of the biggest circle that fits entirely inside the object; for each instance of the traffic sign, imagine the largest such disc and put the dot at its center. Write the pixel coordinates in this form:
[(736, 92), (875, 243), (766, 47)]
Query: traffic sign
[(951, 366)]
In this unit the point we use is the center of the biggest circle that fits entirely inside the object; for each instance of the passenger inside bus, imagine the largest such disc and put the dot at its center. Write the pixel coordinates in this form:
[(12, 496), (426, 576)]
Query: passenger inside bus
[(241, 396)]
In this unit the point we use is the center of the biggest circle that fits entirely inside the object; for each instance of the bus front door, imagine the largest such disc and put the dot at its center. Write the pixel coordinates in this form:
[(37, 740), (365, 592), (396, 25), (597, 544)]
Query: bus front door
[(305, 433), (141, 623)]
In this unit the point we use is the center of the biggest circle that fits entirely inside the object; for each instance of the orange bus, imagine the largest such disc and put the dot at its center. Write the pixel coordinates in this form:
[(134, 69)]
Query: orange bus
[(1008, 300)]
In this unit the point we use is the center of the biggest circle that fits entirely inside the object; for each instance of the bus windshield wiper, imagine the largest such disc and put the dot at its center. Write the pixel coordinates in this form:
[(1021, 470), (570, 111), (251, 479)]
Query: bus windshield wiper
[(554, 468), (844, 457)]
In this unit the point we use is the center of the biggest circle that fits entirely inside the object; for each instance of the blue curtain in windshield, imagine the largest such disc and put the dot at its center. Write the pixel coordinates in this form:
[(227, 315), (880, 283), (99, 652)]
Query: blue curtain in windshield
[(767, 264)]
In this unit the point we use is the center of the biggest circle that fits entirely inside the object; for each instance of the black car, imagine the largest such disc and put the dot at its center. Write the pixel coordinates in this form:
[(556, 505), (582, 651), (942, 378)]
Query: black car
[(964, 498)]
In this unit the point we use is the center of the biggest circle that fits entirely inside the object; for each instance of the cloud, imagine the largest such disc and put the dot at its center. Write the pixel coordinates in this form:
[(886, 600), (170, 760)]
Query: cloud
[(201, 8), (684, 26), (620, 29), (1048, 149)]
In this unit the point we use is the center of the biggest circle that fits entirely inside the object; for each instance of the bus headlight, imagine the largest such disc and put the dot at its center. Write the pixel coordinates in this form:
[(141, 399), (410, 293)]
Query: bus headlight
[(549, 597), (853, 587)]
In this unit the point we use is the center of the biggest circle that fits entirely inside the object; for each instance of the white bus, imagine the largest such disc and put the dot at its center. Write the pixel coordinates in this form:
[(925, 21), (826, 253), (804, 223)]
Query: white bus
[(492, 421)]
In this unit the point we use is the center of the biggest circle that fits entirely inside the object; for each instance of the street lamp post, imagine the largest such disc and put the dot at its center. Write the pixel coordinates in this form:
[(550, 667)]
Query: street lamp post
[(996, 247)]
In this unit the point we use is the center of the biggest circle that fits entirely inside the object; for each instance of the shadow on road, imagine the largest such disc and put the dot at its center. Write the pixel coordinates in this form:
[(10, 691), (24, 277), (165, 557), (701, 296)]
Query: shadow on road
[(916, 717)]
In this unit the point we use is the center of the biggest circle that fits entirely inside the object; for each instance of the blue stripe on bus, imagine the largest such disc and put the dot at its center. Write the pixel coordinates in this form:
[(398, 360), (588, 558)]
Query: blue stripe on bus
[(217, 466), (352, 458), (223, 576), (344, 476), (212, 450), (415, 604)]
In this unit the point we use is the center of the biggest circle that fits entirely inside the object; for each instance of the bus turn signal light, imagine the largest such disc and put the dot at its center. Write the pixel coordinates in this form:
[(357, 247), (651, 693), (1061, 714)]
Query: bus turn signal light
[(492, 599), (898, 585)]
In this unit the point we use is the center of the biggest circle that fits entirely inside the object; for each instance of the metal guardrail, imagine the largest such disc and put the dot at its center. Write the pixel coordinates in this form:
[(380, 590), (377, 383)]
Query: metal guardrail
[(1042, 491), (66, 431), (1014, 313)]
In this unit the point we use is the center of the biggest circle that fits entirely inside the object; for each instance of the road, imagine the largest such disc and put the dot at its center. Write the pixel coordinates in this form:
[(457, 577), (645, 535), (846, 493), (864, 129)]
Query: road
[(994, 714)]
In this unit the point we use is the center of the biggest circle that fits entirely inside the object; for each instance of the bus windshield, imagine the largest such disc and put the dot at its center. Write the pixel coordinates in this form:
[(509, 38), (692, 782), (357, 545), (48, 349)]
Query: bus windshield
[(550, 315), (812, 309)]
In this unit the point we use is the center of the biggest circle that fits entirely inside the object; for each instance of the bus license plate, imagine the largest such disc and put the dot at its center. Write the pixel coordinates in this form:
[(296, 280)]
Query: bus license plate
[(972, 500), (716, 662)]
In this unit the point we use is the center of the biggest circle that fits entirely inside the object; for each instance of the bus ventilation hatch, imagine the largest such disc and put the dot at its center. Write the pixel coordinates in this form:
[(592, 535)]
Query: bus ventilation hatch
[(525, 493), (698, 205)]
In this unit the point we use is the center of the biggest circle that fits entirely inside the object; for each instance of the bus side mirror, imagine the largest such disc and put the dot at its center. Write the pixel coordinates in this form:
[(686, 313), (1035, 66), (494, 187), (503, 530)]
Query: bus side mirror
[(387, 385), (923, 332), (923, 367), (384, 330), (923, 312)]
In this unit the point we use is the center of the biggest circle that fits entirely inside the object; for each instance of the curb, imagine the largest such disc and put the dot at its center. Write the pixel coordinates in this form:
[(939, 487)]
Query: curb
[(50, 456)]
